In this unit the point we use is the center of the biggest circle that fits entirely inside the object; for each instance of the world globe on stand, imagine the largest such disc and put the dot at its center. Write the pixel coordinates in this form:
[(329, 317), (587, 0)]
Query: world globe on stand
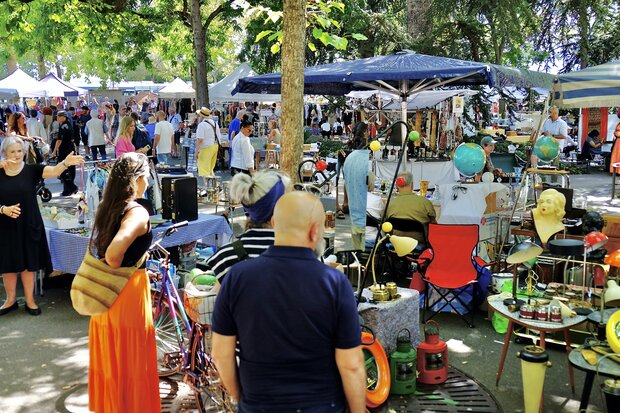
[(469, 159), (546, 149)]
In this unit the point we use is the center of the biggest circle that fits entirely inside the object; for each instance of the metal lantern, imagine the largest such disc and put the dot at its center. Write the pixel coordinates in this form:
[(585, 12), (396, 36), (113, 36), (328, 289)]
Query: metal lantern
[(432, 356), (403, 365)]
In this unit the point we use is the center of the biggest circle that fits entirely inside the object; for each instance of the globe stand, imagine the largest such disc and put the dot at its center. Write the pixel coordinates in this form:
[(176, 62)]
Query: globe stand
[(524, 177)]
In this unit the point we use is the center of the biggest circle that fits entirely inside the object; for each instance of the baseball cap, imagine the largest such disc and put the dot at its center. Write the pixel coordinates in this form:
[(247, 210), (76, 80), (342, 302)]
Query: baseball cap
[(487, 140)]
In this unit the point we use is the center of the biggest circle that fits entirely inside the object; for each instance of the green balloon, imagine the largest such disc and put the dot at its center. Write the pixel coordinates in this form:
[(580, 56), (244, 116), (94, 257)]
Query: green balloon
[(414, 135)]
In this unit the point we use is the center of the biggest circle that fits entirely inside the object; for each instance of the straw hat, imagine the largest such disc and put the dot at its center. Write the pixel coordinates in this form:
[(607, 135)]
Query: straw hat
[(204, 111)]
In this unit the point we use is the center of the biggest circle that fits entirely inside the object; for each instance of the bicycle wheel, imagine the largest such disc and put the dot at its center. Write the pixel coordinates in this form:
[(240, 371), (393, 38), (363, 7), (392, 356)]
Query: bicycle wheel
[(209, 393), (170, 347)]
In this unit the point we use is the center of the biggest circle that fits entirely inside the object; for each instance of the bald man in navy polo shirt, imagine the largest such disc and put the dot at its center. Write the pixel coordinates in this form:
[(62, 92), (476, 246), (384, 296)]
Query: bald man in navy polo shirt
[(296, 322)]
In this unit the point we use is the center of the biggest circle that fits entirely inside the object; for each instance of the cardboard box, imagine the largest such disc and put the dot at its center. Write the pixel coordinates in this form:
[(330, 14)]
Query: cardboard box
[(491, 200)]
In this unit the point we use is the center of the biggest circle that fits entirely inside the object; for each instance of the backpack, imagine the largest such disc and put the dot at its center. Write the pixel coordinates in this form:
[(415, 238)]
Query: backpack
[(141, 138)]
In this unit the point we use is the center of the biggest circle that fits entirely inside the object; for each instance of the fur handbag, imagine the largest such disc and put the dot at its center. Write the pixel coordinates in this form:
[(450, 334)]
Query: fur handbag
[(96, 285)]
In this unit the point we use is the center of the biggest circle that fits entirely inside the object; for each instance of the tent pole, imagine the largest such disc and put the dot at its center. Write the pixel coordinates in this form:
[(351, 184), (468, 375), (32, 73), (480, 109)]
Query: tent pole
[(404, 86)]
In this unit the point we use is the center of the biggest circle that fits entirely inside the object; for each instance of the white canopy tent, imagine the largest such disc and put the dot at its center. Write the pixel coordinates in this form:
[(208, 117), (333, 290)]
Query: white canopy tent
[(222, 90), (177, 89), (55, 86), (19, 85)]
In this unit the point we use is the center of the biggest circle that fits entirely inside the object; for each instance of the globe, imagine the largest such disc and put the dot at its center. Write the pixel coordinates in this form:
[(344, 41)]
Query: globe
[(546, 148), (469, 159)]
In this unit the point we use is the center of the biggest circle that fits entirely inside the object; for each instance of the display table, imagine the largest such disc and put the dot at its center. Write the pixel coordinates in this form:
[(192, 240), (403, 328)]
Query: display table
[(436, 172), (606, 367), (542, 327), (386, 319), (68, 249)]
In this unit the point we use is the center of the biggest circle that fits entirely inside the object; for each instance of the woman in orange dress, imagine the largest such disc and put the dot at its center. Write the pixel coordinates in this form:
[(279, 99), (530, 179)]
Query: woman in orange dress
[(615, 150), (122, 376)]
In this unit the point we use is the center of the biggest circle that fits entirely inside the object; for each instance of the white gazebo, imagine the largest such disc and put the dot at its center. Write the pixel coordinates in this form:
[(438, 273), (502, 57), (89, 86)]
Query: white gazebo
[(177, 89), (222, 90), (19, 85)]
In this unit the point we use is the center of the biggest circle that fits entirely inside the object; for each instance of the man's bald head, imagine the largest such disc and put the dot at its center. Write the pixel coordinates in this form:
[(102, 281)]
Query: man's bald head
[(554, 112), (298, 220)]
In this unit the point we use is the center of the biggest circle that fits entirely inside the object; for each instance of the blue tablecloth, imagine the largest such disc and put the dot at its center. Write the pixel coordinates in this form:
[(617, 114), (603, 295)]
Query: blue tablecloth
[(67, 249)]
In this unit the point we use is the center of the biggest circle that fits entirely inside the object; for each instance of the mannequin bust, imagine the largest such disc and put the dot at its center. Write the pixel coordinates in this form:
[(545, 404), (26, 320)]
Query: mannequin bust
[(548, 214)]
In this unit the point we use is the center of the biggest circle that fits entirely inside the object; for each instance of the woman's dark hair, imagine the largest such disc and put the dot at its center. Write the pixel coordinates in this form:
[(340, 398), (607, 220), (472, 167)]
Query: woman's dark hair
[(245, 123), (594, 133), (119, 190), (14, 126)]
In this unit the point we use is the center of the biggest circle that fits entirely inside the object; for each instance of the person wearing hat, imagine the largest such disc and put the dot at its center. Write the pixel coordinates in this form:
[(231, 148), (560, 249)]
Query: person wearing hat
[(208, 141), (64, 147), (488, 144)]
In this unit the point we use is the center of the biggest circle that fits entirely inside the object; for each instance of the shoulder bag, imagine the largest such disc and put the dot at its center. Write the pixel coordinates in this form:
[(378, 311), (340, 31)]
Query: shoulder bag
[(97, 285)]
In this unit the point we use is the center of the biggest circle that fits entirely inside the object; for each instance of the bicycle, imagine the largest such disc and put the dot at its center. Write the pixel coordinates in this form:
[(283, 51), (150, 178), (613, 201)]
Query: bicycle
[(182, 343)]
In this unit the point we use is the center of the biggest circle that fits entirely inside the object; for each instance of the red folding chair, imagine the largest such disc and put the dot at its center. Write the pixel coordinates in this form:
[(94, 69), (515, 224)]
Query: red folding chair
[(452, 269)]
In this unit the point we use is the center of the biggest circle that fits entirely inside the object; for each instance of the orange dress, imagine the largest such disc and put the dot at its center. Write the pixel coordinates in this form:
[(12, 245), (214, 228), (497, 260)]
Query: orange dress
[(615, 150), (122, 376)]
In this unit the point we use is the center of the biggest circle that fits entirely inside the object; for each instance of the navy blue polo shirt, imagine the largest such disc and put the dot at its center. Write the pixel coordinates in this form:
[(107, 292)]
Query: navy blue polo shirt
[(289, 312)]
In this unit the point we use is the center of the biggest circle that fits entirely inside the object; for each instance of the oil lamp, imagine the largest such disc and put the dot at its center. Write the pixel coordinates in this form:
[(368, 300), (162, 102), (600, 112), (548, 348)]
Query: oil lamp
[(432, 356)]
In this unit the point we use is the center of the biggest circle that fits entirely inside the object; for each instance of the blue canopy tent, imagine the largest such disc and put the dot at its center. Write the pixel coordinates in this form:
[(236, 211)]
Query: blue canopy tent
[(402, 73), (594, 87)]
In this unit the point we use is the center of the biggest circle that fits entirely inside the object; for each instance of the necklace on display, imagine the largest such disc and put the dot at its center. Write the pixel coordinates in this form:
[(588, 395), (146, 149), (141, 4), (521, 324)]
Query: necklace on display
[(14, 171)]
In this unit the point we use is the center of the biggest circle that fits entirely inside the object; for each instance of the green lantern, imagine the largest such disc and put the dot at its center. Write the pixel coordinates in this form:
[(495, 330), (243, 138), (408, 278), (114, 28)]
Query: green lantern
[(403, 364)]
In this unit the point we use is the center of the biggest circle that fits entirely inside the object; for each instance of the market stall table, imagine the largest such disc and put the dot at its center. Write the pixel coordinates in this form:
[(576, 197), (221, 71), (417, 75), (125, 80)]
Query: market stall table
[(606, 367), (543, 327), (68, 249), (436, 172), (386, 319)]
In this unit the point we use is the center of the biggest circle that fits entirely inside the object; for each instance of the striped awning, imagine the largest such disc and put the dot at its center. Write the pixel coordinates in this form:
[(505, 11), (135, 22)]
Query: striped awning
[(594, 87)]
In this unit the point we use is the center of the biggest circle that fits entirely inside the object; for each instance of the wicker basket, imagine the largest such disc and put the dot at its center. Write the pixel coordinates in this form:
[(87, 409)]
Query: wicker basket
[(199, 304)]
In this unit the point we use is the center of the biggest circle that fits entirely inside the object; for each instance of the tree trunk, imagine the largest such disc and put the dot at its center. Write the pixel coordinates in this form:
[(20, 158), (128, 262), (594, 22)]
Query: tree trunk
[(584, 33), (59, 71), (11, 62), (200, 52), (293, 52), (41, 66), (418, 23)]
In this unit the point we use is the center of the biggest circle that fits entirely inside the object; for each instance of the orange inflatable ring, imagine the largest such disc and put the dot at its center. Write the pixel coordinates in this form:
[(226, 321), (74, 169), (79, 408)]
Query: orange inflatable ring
[(378, 396), (612, 332)]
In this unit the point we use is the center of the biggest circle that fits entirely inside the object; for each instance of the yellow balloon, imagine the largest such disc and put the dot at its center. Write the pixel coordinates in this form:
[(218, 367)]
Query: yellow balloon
[(375, 146), (386, 227)]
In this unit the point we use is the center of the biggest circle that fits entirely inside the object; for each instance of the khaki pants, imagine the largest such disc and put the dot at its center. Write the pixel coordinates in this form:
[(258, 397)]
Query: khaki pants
[(358, 236)]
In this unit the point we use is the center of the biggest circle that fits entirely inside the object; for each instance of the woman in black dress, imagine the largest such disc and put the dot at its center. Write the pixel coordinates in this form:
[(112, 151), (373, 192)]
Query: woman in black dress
[(22, 234)]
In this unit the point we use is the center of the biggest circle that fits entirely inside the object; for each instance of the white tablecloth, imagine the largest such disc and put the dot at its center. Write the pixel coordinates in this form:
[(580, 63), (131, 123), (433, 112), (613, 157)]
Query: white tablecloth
[(436, 172), (67, 249)]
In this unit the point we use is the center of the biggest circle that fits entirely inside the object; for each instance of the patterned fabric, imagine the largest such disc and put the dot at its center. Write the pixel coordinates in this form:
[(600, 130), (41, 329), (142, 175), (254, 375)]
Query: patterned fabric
[(68, 249)]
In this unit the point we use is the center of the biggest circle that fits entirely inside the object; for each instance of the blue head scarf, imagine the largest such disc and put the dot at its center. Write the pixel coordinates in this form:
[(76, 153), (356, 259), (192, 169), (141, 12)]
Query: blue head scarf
[(262, 210)]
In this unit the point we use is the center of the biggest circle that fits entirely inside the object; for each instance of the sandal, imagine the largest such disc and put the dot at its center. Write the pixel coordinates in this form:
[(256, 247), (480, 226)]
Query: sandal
[(340, 214)]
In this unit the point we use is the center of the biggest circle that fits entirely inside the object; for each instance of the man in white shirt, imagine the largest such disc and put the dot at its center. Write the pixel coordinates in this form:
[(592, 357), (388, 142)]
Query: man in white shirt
[(163, 138), (208, 136), (326, 129), (175, 120), (36, 128), (556, 128), (242, 151)]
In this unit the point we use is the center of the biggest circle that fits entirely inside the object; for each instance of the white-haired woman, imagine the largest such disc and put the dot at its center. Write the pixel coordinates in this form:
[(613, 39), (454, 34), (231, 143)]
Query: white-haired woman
[(258, 194), (23, 242)]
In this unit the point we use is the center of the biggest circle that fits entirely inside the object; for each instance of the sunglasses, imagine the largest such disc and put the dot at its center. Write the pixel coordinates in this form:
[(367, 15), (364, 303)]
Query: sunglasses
[(313, 189)]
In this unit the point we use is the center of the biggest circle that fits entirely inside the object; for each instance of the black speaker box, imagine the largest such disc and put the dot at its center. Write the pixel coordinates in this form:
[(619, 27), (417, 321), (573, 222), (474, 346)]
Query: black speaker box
[(179, 199)]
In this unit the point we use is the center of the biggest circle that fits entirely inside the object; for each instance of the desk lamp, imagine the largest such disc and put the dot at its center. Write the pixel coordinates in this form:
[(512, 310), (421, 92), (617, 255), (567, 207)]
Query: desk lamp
[(524, 253), (402, 247), (592, 241)]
